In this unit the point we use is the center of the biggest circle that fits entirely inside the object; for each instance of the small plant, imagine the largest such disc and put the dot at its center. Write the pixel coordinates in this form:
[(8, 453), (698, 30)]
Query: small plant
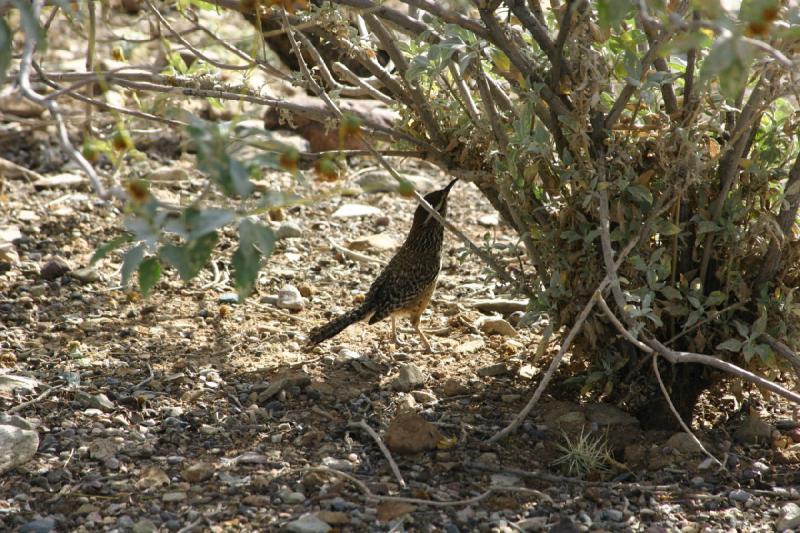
[(585, 455)]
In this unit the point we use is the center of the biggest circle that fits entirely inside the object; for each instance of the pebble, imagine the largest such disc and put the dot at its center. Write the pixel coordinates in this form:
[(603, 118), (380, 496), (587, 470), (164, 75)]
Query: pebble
[(289, 298), (42, 525), (453, 387), (789, 517), (19, 442), (144, 526), (489, 221), (307, 523), (381, 181), (378, 242), (55, 268), (228, 298), (498, 369), (101, 401), (410, 378), (341, 465), (424, 397), (739, 495), (615, 515), (409, 433), (289, 230), (176, 496), (356, 210), (698, 481), (294, 498), (86, 275), (198, 472), (497, 326)]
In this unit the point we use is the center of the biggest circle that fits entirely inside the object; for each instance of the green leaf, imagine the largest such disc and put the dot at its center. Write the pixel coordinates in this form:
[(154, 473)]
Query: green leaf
[(707, 226), (731, 345), (671, 293), (149, 274), (669, 228), (131, 262), (30, 23), (109, 247), (611, 12), (256, 242), (202, 222), (760, 325), (258, 235), (641, 193), (5, 50), (192, 257), (245, 271), (715, 298)]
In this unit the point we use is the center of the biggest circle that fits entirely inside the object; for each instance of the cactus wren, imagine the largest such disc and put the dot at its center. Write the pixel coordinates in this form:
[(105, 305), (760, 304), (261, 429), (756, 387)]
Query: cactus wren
[(406, 284)]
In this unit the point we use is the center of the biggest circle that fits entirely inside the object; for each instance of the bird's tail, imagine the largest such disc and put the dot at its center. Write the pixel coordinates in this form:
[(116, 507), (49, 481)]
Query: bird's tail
[(337, 325)]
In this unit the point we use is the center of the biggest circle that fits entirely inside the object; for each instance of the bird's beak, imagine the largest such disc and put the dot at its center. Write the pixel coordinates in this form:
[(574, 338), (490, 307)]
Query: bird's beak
[(450, 185)]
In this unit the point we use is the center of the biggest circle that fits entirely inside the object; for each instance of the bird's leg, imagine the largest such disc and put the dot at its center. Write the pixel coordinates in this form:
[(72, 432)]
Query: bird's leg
[(425, 341), (397, 340)]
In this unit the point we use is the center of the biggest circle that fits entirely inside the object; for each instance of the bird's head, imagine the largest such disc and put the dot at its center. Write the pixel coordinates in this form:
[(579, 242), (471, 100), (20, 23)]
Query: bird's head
[(437, 200)]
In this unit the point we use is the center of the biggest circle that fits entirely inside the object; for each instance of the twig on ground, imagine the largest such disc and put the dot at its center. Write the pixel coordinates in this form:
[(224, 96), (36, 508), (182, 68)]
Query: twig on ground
[(7, 167), (146, 380), (384, 450), (42, 396), (355, 255)]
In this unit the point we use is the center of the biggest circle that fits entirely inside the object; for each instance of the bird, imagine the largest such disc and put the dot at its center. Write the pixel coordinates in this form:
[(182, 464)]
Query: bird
[(406, 284)]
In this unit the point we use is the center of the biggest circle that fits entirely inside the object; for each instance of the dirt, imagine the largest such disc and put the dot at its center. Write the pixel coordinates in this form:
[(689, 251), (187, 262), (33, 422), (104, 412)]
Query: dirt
[(189, 411)]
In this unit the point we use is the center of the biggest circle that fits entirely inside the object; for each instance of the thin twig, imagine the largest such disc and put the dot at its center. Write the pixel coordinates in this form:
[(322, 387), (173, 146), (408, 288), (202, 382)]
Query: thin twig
[(362, 258), (42, 396), (384, 450)]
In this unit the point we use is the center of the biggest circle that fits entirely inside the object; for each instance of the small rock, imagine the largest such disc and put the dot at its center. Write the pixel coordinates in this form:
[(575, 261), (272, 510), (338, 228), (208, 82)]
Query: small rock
[(144, 526), (683, 443), (169, 174), (504, 307), (56, 181), (334, 518), (198, 472), (294, 498), (407, 404), (410, 434), (488, 458), (707, 463), (497, 369), (739, 495), (55, 268), (356, 210), (424, 397), (754, 431), (389, 510), (177, 496), (470, 346), (38, 290), (228, 298), (410, 378), (604, 414), (306, 291), (497, 326), (378, 242), (488, 221), (289, 230), (698, 481), (453, 387), (151, 476), (307, 523), (342, 465), (760, 467), (509, 398), (101, 401), (10, 382), (615, 515), (42, 525), (504, 480), (289, 298), (789, 517), (18, 442), (86, 275)]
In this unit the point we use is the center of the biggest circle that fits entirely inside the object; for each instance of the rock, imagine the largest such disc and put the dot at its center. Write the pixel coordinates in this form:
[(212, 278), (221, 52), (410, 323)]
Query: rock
[(739, 495), (18, 442), (356, 210), (410, 378), (489, 221), (55, 268), (381, 181), (13, 103), (470, 346), (504, 480), (101, 401), (504, 307), (424, 397), (294, 498), (57, 181), (307, 523), (754, 431), (342, 465), (42, 525), (229, 298), (151, 476), (86, 275), (789, 517), (10, 382), (407, 404), (615, 515), (410, 434), (490, 371), (198, 472), (144, 526), (289, 298), (388, 511), (289, 230), (169, 174), (604, 414), (683, 443), (378, 242), (298, 379), (453, 387), (176, 496), (334, 518), (497, 326)]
